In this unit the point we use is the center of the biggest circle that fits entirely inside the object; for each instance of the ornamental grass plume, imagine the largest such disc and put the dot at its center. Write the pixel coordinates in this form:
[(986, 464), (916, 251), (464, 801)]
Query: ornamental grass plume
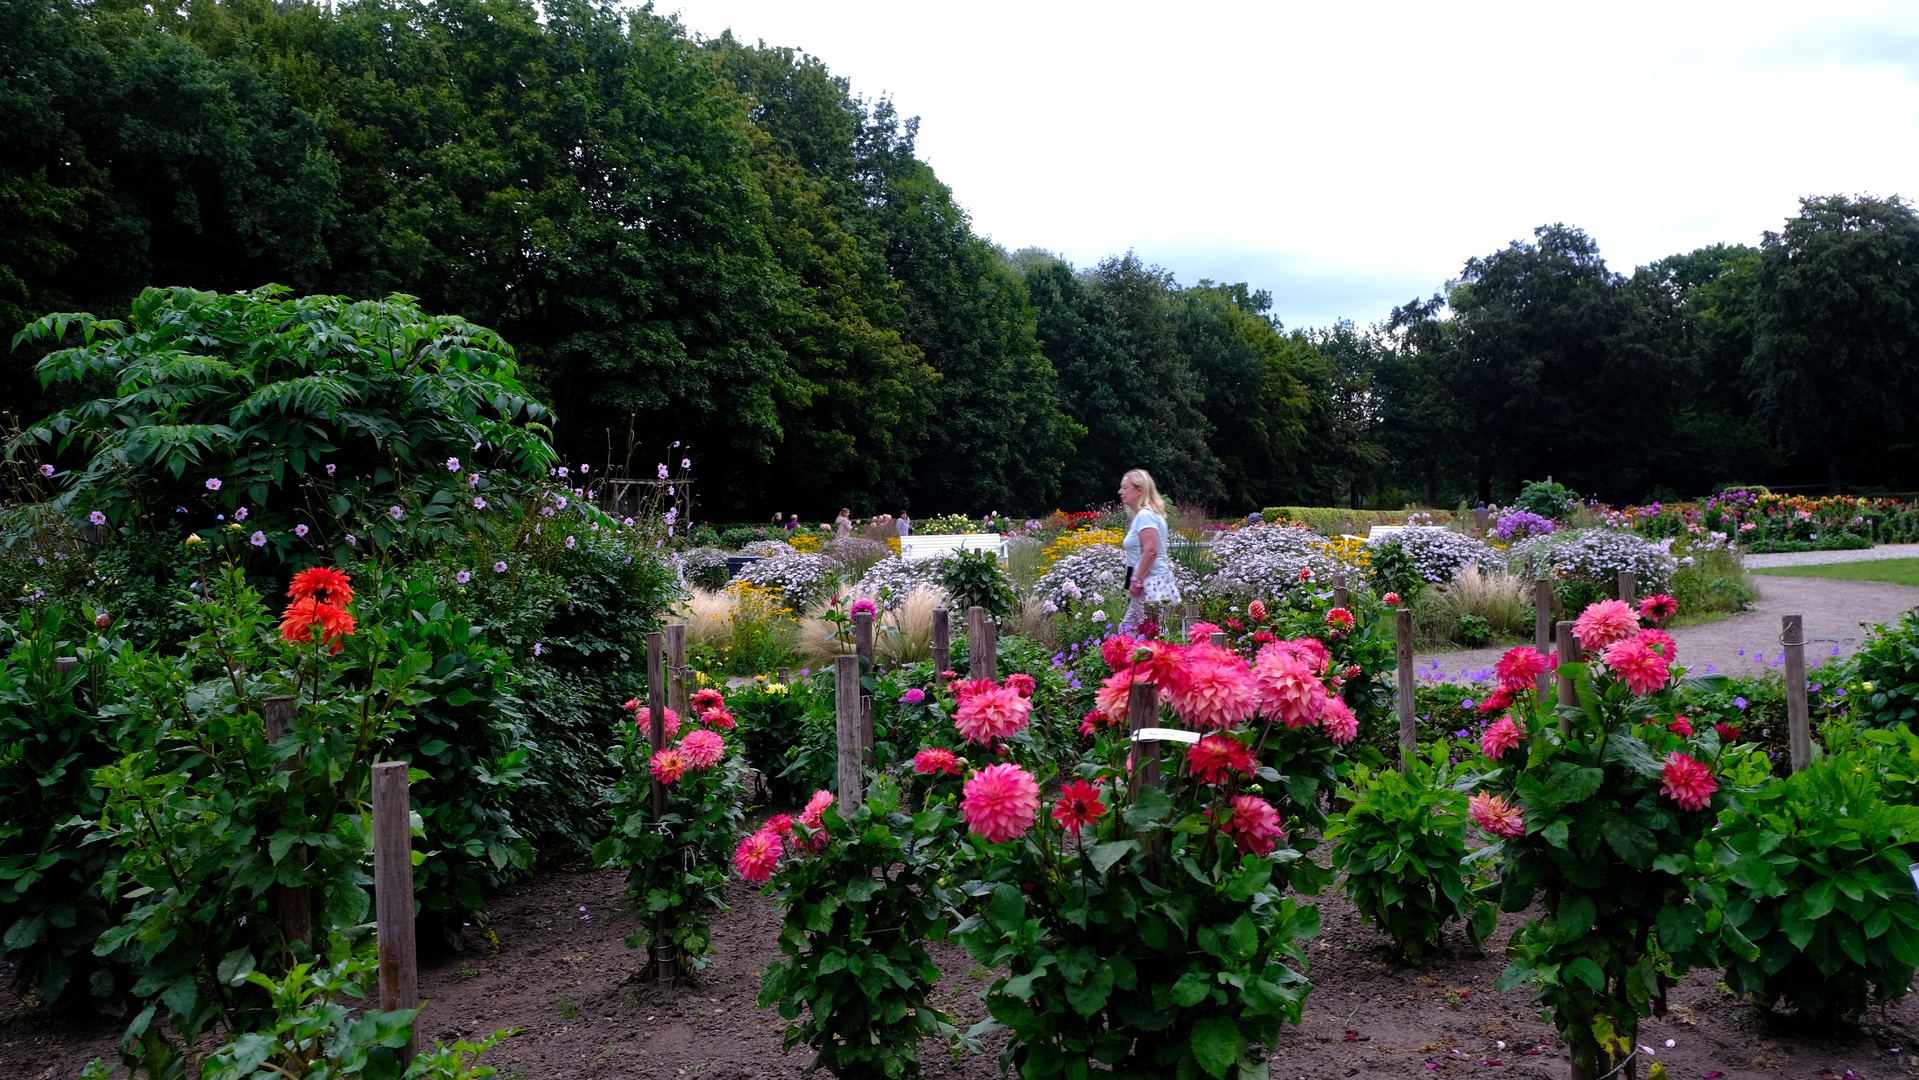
[(1253, 824), (935, 760), (1021, 683), (1288, 690), (1642, 669), (702, 749), (1690, 783), (1337, 721), (1001, 803), (1117, 651), (1078, 806), (643, 719), (990, 714), (1199, 632), (1521, 668), (1604, 623), (1501, 737), (1658, 607), (1216, 694), (1493, 815), (1216, 757), (668, 765), (757, 855)]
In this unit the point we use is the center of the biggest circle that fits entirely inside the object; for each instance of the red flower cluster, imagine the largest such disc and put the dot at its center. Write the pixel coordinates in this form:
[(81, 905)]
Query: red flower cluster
[(320, 596)]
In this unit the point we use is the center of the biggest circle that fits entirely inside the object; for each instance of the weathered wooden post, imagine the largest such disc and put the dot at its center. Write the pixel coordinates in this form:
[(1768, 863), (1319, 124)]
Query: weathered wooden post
[(1569, 653), (1793, 637), (846, 715), (393, 895), (295, 902), (1142, 712), (1543, 628), (1628, 587), (1218, 638), (863, 648), (63, 666), (942, 645), (1403, 647), (1339, 589), (989, 650), (1188, 615), (786, 676), (665, 961), (975, 636), (676, 690)]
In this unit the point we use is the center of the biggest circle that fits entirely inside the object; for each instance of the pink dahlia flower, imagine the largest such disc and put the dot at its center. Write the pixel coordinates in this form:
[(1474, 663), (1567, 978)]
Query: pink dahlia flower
[(1521, 668), (1689, 782), (1309, 650), (1001, 803), (757, 855), (1605, 622), (1200, 631), (1500, 738), (1498, 701), (707, 698), (1336, 719), (643, 717), (1660, 642), (1117, 651), (1216, 694), (814, 818), (1022, 683), (1288, 690), (1637, 665), (935, 760), (1093, 721), (1214, 758), (1163, 665), (991, 714), (718, 718), (668, 765), (1112, 694), (1658, 606), (1339, 619), (1253, 825), (863, 607), (1493, 814), (1681, 727), (779, 823), (702, 749), (1256, 611), (966, 688)]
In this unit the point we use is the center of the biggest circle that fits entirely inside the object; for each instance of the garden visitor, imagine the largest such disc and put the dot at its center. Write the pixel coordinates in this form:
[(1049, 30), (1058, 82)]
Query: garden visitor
[(777, 518), (843, 525), (792, 522), (1150, 576), (904, 524)]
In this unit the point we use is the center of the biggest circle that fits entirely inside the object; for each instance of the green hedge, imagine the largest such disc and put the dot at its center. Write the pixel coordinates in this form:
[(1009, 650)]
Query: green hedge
[(1342, 519)]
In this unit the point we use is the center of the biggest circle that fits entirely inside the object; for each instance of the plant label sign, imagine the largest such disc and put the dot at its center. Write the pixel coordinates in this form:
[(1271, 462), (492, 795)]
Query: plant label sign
[(1166, 734)]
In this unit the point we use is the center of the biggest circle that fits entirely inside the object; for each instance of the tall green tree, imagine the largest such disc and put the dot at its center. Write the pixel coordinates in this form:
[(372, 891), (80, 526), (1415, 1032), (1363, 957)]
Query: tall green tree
[(1170, 402), (1835, 351), (1249, 376), (1097, 381)]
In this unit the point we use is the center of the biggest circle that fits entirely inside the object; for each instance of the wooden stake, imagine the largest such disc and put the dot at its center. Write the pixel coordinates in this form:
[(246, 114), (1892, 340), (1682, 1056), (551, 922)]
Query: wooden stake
[(393, 895), (1569, 653), (863, 638), (63, 666), (1218, 638), (1799, 731), (295, 902), (846, 715), (1339, 589), (942, 645), (786, 676), (1628, 587), (1543, 628), (989, 650), (1188, 615), (664, 966), (676, 689), (1403, 646), (863, 646), (1142, 711), (975, 637)]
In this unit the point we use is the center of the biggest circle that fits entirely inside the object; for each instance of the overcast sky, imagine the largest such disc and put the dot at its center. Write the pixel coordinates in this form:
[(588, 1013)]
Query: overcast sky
[(1351, 156)]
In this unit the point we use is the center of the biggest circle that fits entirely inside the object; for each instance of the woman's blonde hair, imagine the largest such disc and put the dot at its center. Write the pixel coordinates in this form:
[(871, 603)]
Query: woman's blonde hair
[(1148, 491)]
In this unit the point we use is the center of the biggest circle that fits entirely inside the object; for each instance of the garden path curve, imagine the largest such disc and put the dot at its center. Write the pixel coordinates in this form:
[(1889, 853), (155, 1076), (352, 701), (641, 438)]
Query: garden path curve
[(1836, 613)]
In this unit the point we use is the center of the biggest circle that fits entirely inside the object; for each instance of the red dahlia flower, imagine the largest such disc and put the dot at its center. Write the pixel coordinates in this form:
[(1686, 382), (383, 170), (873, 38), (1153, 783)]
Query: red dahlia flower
[(1078, 806), (1215, 757)]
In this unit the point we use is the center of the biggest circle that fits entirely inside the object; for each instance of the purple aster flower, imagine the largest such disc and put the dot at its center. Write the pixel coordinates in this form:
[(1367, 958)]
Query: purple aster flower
[(213, 482), (499, 567), (463, 577), (452, 464), (395, 512), (259, 539), (569, 541), (46, 470), (97, 517), (330, 468), (240, 514), (300, 530)]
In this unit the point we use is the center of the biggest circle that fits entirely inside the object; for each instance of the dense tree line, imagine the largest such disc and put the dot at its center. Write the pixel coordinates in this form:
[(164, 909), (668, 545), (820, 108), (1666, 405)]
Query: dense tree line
[(721, 244)]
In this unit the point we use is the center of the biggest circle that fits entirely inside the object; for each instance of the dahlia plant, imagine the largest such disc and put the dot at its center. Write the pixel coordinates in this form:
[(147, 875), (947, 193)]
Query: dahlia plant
[(1148, 928), (1607, 822)]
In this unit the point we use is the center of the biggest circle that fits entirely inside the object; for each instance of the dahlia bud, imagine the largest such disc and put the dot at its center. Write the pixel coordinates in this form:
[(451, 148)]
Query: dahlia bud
[(103, 620)]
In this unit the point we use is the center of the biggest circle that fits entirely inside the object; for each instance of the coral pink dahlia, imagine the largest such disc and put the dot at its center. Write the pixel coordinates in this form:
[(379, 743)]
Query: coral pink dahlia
[(1216, 694), (1117, 651), (707, 698), (991, 714), (1493, 814), (757, 855), (1001, 803), (1214, 758), (668, 765), (1605, 622), (1637, 665), (1112, 694), (643, 719), (1336, 719), (1200, 631), (1289, 691), (1660, 642), (1022, 684), (1689, 782), (702, 749), (1521, 668), (718, 718), (1500, 738), (1253, 825), (935, 760)]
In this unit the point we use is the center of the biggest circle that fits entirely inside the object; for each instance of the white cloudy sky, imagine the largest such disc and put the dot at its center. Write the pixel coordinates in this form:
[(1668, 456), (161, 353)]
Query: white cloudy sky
[(1350, 156)]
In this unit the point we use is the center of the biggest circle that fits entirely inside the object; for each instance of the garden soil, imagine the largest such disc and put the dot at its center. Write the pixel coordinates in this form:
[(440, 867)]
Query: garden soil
[(1836, 614), (551, 963)]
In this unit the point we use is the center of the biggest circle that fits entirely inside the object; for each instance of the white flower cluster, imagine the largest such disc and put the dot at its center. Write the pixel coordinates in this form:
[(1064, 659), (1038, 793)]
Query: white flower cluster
[(1265, 560), (802, 577), (849, 550), (1599, 555), (1093, 576), (1439, 554), (701, 564), (767, 549), (889, 580)]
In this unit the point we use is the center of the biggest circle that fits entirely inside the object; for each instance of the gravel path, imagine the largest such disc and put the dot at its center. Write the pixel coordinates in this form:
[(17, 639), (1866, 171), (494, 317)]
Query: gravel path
[(1821, 558), (1834, 612)]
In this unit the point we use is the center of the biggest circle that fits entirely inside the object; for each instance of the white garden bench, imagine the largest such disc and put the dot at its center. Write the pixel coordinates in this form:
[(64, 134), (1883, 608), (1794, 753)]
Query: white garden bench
[(1379, 534), (932, 547)]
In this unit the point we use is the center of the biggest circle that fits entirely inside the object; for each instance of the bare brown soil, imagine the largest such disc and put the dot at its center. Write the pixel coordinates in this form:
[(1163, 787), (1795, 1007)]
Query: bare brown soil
[(552, 963)]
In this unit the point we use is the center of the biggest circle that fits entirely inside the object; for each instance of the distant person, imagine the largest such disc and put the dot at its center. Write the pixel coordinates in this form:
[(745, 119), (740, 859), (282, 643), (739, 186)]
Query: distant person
[(777, 518), (904, 524), (843, 525), (792, 522), (1255, 518), (1149, 577)]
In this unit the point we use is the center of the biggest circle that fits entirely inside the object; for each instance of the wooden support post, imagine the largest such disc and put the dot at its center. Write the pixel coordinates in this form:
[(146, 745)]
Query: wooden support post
[(863, 646), (975, 635), (989, 650), (393, 895), (942, 645), (863, 638), (1339, 589), (786, 676), (1188, 615), (295, 902), (846, 713), (1799, 732), (665, 964), (1569, 653), (1218, 638), (677, 692), (1142, 711), (1628, 587), (63, 666), (1543, 628), (1403, 646)]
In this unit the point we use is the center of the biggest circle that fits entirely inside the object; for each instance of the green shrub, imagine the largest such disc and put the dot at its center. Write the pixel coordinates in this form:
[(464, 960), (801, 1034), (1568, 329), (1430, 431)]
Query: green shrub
[(1473, 630), (1402, 847), (1889, 663), (1715, 580), (1547, 499), (1394, 571), (974, 578), (1816, 883)]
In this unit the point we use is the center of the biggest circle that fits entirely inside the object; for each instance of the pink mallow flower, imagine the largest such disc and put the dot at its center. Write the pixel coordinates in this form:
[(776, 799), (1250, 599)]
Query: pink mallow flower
[(1216, 694), (702, 749), (1492, 813), (1604, 623), (1001, 803), (1689, 782), (1337, 721), (1500, 738), (993, 713), (1288, 690), (935, 760), (757, 855), (1253, 825), (1637, 665)]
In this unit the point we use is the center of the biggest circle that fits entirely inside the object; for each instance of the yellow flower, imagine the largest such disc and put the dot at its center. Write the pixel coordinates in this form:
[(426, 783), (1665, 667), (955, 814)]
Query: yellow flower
[(194, 539)]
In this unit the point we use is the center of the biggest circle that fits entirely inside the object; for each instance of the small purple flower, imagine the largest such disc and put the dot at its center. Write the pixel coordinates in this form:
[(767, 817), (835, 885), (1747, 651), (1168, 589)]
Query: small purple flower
[(1462, 733), (913, 696), (300, 530), (463, 577), (536, 648), (259, 539), (97, 517), (395, 512), (686, 463), (629, 523), (473, 480), (240, 514), (499, 567), (47, 470), (1739, 701), (351, 540), (1711, 668), (1468, 703), (213, 482), (330, 468), (479, 503), (562, 502), (584, 469), (452, 464), (662, 471), (562, 470), (569, 541)]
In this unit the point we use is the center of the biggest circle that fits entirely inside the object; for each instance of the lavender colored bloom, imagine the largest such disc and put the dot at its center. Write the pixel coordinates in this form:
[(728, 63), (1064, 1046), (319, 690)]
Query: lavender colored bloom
[(584, 469), (499, 567), (686, 463), (452, 464), (259, 539), (463, 577), (569, 541), (240, 514), (1739, 701), (351, 540), (662, 471), (473, 480), (1712, 669), (46, 470), (300, 530), (479, 503), (330, 468), (213, 482), (1462, 733), (97, 517), (1468, 703), (395, 512), (536, 648), (629, 523)]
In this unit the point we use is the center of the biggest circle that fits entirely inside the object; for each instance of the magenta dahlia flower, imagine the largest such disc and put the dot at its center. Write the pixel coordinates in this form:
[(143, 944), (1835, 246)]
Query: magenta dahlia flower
[(1001, 803), (1288, 690), (1637, 665), (1604, 623), (1689, 782), (757, 855), (992, 713), (1521, 668), (1500, 738), (1253, 825), (1214, 758), (702, 749), (935, 760)]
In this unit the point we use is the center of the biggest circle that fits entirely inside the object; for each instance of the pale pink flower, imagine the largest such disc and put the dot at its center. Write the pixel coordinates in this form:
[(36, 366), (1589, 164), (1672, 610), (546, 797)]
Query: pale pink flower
[(1310, 651), (1001, 803), (702, 749), (1689, 782), (1216, 694), (1253, 824), (1492, 813), (1501, 737), (1288, 690), (935, 760), (1022, 683), (990, 714), (1336, 719), (1200, 631), (1605, 622), (1111, 697)]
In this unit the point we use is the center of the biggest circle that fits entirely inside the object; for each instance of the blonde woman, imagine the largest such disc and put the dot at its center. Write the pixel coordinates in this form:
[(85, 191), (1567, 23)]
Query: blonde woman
[(843, 525), (1150, 576)]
